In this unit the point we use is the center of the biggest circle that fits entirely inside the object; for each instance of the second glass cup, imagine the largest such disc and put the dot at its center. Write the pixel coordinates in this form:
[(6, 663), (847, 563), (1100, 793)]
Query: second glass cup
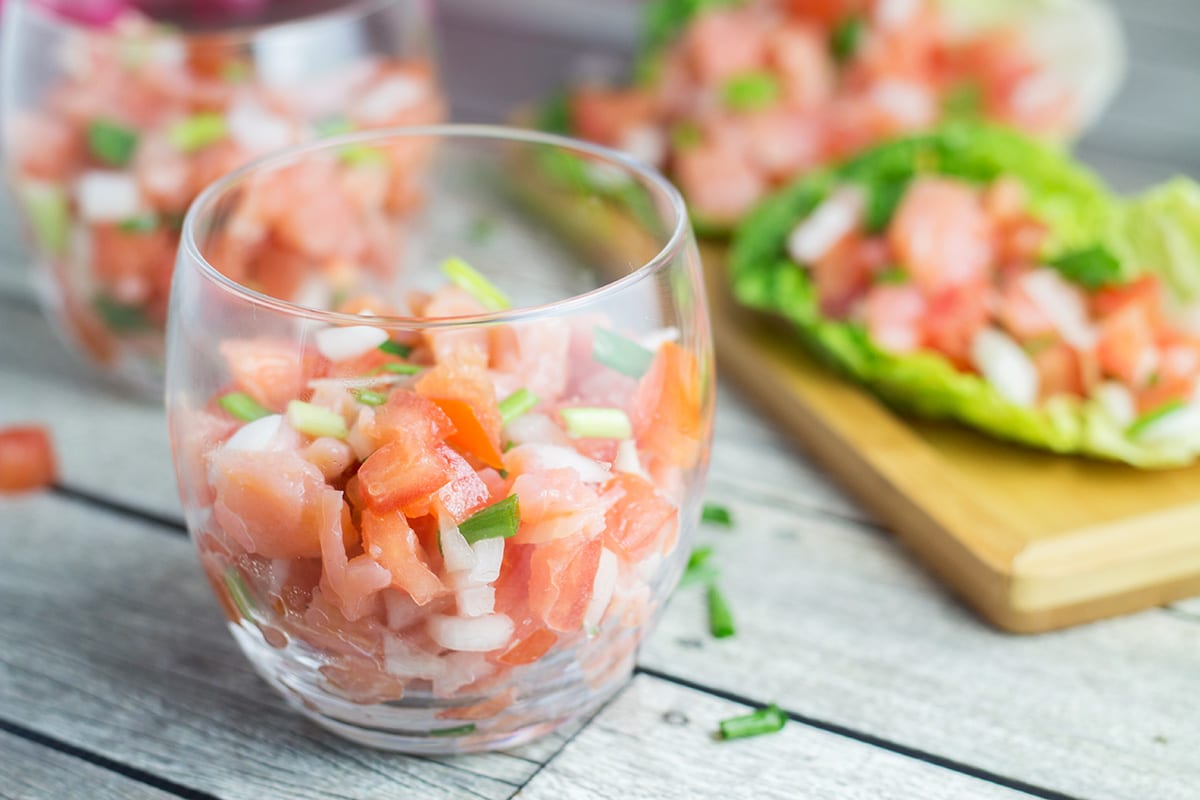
[(441, 423), (112, 126)]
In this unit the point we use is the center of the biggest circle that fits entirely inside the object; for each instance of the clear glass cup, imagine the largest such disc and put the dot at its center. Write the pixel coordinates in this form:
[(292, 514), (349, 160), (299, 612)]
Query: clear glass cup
[(350, 430), (114, 123)]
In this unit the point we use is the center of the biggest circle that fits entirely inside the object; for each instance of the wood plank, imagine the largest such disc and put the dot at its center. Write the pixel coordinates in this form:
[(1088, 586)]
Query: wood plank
[(29, 771), (111, 641), (656, 740), (836, 623)]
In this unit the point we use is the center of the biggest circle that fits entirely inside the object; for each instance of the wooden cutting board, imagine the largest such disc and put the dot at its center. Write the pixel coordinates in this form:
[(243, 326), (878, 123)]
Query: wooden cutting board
[(1032, 541)]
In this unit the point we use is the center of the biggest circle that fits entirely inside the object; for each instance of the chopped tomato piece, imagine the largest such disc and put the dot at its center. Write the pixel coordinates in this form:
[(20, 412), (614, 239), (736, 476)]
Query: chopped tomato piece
[(528, 649), (640, 521), (270, 371), (669, 410), (388, 539), (469, 434), (26, 459), (561, 574), (471, 386), (400, 473)]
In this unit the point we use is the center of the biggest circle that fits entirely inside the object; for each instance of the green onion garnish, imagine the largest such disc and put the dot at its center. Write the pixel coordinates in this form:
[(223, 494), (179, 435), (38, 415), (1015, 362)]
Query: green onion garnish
[(368, 397), (892, 276), (49, 215), (720, 618), (1092, 267), (142, 223), (362, 155), (883, 197), (519, 402), (1139, 425), (846, 38), (624, 355), (699, 569), (964, 100), (398, 369), (497, 521), (197, 132), (473, 283), (461, 730), (111, 142), (334, 126), (716, 515), (315, 420), (396, 349), (766, 720), (597, 423), (750, 91), (686, 135), (239, 593), (120, 317), (242, 406)]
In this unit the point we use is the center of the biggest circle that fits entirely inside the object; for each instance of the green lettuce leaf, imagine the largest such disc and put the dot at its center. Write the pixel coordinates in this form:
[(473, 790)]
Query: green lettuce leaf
[(1081, 215), (1160, 229)]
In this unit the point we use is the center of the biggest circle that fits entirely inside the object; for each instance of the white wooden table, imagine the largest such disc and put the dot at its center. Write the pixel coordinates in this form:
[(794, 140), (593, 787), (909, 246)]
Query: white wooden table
[(119, 680)]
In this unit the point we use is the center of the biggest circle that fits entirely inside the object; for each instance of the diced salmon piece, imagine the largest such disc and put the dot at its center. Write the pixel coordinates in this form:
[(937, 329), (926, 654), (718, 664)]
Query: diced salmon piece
[(26, 459), (1060, 371), (724, 43), (45, 147), (408, 415), (400, 473), (128, 261), (721, 184), (1145, 294), (894, 316), (844, 273), (670, 415), (462, 346), (800, 53), (271, 371), (561, 574), (640, 521), (529, 648), (460, 497), (388, 539), (271, 502), (953, 317), (1023, 318), (606, 115), (556, 503), (1126, 348), (940, 234), (535, 352)]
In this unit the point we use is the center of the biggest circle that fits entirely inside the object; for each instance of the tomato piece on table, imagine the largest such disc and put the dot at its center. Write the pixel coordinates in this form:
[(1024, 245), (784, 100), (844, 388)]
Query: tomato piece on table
[(26, 459)]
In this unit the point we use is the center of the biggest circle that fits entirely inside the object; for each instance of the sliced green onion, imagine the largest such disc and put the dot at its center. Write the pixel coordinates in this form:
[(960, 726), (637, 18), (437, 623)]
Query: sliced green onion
[(617, 352), (497, 521), (142, 223), (846, 38), (720, 618), (1092, 267), (520, 402), (1139, 425), (597, 423), (120, 317), (368, 397), (473, 283), (750, 91), (686, 135), (362, 155), (49, 212), (396, 349), (963, 101), (398, 369), (315, 420), (766, 720), (714, 514), (883, 197), (242, 406), (239, 593), (461, 730), (892, 276), (111, 143), (197, 132), (333, 127), (699, 569)]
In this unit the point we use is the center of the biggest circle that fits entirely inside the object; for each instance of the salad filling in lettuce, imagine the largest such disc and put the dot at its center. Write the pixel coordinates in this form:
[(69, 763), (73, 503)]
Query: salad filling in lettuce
[(977, 275)]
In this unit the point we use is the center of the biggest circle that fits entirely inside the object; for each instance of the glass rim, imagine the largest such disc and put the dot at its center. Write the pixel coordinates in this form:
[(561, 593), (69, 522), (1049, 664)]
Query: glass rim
[(232, 34), (199, 207)]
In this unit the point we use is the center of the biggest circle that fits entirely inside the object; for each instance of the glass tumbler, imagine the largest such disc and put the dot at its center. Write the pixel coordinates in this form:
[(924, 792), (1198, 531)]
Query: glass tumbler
[(441, 471), (114, 121)]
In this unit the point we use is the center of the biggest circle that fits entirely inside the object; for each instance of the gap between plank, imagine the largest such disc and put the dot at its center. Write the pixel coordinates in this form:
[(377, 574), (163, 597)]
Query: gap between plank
[(869, 739), (173, 524), (104, 762)]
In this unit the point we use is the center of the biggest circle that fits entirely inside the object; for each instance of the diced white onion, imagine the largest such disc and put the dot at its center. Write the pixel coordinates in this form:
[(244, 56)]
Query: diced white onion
[(535, 428), (910, 104), (459, 669), (475, 601), (472, 635), (646, 143), (391, 97), (257, 435), (602, 590), (256, 129), (107, 196), (406, 661), (837, 216), (1005, 366), (359, 440), (1062, 305), (656, 339), (1117, 402), (553, 456), (456, 551), (627, 458), (342, 344), (1174, 427), (489, 555), (893, 14)]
